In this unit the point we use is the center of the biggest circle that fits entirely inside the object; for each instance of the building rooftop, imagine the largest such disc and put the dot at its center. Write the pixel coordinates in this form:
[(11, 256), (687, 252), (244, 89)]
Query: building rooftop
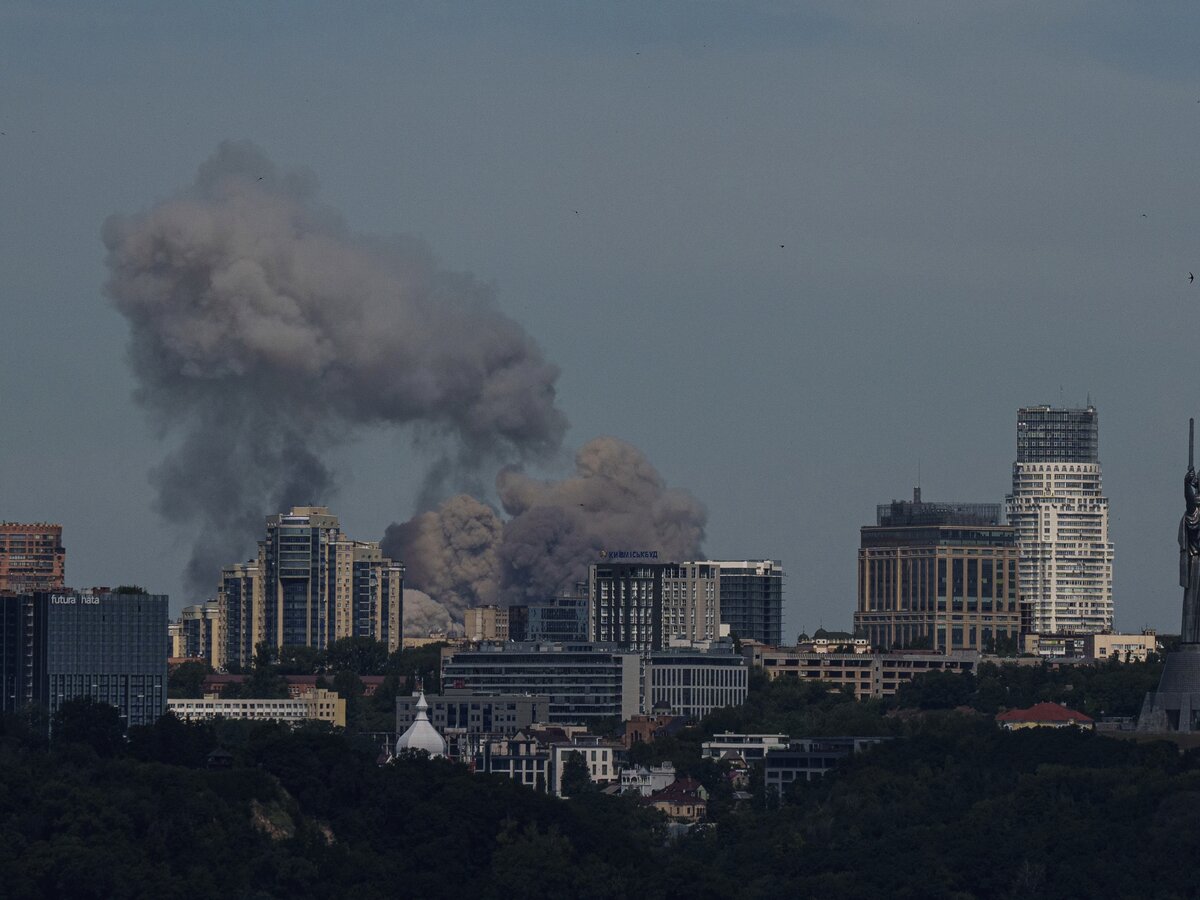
[(901, 513), (1044, 712)]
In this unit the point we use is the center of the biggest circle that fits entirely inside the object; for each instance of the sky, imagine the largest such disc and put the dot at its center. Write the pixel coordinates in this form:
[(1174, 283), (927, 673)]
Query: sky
[(792, 251)]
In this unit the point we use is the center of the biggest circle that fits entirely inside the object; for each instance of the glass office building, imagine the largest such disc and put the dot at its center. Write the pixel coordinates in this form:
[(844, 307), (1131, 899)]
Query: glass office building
[(752, 599), (58, 646)]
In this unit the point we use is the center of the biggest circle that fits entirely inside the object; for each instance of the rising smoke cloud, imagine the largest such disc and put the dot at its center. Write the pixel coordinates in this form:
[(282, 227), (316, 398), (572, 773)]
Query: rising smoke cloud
[(264, 332), (616, 499)]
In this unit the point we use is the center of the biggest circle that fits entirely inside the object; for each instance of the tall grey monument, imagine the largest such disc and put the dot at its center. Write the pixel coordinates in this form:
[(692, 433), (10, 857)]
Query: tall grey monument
[(1175, 706)]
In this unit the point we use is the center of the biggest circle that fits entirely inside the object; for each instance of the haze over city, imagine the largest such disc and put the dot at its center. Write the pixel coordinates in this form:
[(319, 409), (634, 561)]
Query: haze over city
[(791, 255)]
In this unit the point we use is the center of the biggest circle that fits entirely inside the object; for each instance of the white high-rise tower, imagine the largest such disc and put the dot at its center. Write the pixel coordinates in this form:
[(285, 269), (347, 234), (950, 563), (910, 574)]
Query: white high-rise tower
[(1060, 514)]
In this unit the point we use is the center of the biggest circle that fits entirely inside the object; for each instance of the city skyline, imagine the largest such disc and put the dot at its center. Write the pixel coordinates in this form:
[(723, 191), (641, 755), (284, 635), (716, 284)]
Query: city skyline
[(804, 226)]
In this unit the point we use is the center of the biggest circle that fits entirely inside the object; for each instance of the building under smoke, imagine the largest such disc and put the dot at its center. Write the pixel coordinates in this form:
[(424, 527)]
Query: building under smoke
[(646, 606), (467, 554), (264, 332)]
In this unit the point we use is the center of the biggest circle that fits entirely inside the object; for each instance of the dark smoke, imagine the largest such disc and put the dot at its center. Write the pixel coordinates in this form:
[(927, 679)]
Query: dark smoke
[(616, 500), (264, 332)]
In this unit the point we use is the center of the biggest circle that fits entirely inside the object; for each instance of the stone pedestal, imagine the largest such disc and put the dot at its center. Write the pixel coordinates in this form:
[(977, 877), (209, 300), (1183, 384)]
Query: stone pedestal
[(1175, 706)]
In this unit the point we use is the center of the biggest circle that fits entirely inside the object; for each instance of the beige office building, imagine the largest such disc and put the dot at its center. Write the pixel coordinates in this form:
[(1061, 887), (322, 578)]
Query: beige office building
[(938, 576), (486, 623), (314, 705), (868, 675)]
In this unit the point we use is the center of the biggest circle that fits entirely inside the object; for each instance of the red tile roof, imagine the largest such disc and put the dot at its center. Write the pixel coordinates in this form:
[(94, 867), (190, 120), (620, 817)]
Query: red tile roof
[(1044, 712)]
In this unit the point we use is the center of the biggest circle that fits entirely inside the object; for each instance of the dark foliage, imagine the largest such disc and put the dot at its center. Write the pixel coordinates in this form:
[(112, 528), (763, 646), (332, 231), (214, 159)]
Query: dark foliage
[(951, 808), (187, 680)]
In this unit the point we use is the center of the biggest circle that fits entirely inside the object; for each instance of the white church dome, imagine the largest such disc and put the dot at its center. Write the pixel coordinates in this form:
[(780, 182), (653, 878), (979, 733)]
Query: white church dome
[(421, 735)]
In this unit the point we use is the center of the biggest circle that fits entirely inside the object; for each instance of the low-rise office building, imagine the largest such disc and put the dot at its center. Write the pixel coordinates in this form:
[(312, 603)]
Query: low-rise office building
[(297, 685), (693, 683), (747, 747), (1099, 647), (585, 682), (868, 675), (809, 758), (1121, 647), (473, 713), (314, 705), (537, 756)]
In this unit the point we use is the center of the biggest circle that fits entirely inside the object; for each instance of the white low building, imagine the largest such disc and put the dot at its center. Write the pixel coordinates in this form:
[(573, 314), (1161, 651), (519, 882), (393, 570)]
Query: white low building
[(317, 704), (646, 781), (748, 747)]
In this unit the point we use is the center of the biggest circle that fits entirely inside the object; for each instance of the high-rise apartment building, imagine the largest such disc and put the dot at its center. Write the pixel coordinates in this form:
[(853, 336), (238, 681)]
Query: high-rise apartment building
[(107, 645), (203, 636), (300, 577), (940, 576), (1060, 514), (310, 586), (32, 557), (240, 597), (752, 599), (645, 606)]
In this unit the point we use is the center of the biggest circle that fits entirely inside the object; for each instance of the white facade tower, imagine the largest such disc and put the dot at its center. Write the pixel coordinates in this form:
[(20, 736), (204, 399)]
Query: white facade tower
[(1060, 513)]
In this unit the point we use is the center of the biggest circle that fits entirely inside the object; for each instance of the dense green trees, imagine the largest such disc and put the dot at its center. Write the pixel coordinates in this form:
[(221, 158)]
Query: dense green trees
[(1112, 688), (576, 779), (187, 679), (952, 808)]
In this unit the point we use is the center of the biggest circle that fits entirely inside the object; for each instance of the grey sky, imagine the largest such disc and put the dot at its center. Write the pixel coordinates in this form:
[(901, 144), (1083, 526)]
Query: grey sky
[(980, 206)]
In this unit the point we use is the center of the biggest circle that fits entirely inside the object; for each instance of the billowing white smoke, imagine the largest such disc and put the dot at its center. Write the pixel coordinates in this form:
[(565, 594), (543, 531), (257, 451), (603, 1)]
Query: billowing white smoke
[(450, 553), (616, 500), (423, 617), (264, 332)]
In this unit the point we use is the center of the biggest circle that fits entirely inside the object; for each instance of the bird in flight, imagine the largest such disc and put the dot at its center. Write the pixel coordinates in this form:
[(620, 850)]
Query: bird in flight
[(1191, 277)]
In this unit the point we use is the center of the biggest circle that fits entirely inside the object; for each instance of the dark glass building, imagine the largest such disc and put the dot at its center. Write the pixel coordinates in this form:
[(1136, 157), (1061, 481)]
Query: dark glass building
[(57, 646), (560, 619), (752, 599), (1045, 434), (299, 578)]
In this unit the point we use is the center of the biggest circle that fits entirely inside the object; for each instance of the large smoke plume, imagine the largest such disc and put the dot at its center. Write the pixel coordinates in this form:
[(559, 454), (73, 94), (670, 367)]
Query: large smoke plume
[(464, 553), (264, 332)]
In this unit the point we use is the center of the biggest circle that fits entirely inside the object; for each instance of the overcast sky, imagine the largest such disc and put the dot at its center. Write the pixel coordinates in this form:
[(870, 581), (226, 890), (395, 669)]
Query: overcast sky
[(789, 250)]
